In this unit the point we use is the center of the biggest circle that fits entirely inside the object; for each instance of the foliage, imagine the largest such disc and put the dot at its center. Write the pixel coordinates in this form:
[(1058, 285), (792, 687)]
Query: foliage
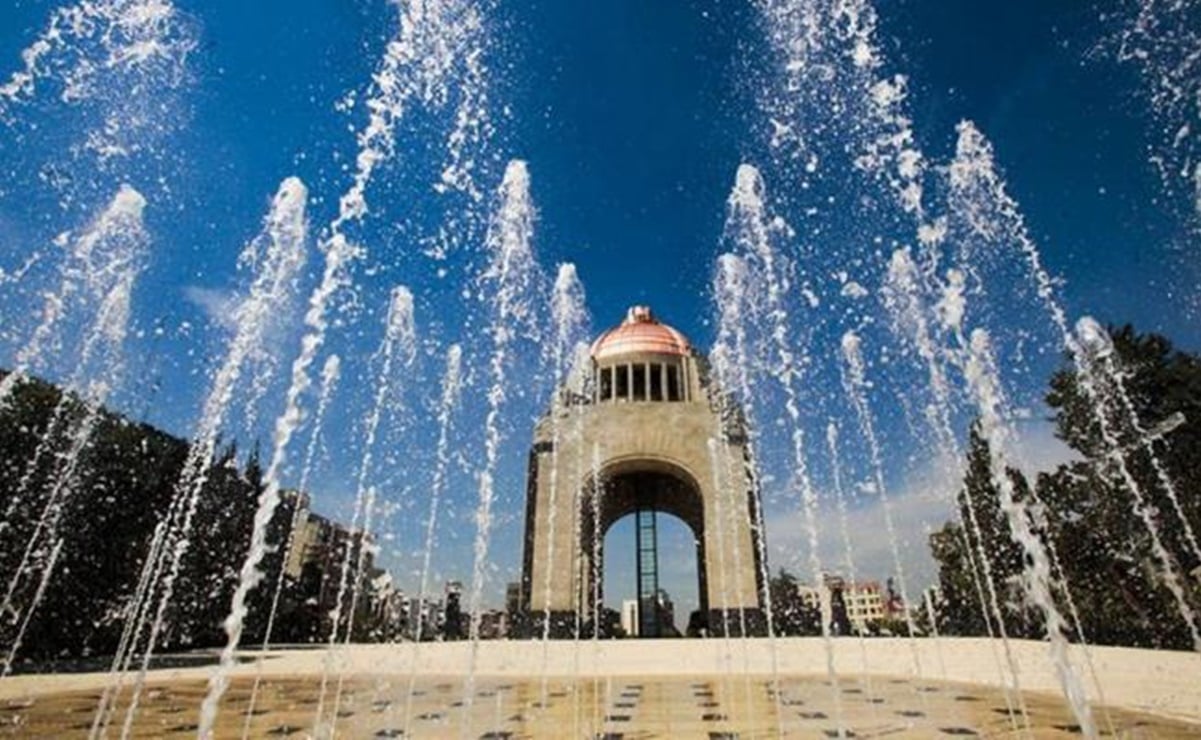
[(105, 507), (980, 564), (1087, 513), (791, 615)]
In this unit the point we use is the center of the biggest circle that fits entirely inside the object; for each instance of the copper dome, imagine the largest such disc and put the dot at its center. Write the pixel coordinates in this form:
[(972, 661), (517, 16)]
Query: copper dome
[(640, 332)]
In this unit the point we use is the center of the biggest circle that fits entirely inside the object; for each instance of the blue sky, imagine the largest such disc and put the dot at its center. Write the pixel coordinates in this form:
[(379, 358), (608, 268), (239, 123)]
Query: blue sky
[(633, 118)]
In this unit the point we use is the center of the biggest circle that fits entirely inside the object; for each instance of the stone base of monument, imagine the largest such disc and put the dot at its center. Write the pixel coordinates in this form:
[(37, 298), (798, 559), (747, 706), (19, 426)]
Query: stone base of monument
[(521, 689)]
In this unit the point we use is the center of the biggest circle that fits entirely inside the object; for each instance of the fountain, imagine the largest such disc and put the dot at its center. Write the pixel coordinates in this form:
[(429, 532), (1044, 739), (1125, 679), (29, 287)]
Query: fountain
[(884, 324)]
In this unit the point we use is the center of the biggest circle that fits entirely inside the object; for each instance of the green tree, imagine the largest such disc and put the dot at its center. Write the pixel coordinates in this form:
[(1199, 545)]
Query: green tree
[(960, 610), (218, 544), (791, 616), (1135, 422), (978, 556), (109, 495), (1148, 394)]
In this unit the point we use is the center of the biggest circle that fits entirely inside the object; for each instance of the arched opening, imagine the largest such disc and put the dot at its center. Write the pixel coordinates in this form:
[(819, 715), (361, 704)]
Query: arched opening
[(641, 491), (668, 597)]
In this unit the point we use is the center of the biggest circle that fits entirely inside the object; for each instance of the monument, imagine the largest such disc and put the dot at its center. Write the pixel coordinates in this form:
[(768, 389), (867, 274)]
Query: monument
[(648, 433)]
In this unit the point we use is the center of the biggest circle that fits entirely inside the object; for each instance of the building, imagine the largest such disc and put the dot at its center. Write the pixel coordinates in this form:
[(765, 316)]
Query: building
[(423, 618), (647, 433), (814, 597), (455, 625), (493, 624), (513, 597), (318, 554), (388, 607), (629, 617), (666, 612), (295, 506), (862, 602)]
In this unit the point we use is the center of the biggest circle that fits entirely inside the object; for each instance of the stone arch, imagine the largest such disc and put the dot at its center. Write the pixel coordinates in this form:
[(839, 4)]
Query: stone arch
[(626, 484), (660, 443)]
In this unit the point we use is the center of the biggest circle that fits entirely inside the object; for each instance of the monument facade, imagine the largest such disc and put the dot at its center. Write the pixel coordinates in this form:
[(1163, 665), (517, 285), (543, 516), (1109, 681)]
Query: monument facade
[(647, 433)]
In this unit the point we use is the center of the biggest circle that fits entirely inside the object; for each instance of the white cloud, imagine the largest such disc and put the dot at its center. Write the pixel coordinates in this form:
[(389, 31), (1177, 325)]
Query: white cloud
[(919, 506), (922, 503), (1038, 449), (219, 306), (852, 289)]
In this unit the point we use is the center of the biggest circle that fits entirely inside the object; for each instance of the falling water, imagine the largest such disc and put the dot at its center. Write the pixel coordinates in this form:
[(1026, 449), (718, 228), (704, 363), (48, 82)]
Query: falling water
[(982, 379), (61, 484), (827, 91), (731, 363), (106, 261), (43, 336), (101, 268), (829, 64), (1163, 41), (419, 62), (951, 309), (1105, 364), (725, 479), (569, 316), (751, 229), (439, 44), (855, 384), (511, 276), (467, 143), (830, 60), (366, 544), (330, 374), (94, 293), (118, 63), (728, 357), (121, 58), (111, 327), (451, 387), (398, 348), (434, 39), (96, 258), (903, 298), (1095, 348), (132, 34), (840, 503), (387, 104), (282, 243), (582, 371), (51, 561)]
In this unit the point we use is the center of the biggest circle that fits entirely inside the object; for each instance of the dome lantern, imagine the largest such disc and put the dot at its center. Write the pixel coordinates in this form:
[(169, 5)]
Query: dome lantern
[(640, 333)]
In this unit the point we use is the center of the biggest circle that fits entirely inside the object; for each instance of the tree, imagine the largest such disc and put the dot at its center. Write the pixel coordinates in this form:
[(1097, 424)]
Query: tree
[(978, 556), (791, 615), (219, 543), (1135, 421), (960, 611), (100, 502), (452, 625)]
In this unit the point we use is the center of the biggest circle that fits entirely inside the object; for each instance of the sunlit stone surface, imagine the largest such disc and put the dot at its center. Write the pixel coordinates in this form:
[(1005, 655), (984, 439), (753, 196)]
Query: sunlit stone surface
[(645, 688), (713, 706)]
